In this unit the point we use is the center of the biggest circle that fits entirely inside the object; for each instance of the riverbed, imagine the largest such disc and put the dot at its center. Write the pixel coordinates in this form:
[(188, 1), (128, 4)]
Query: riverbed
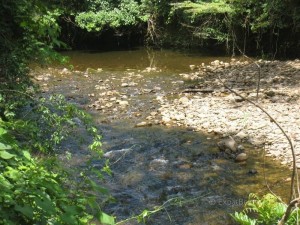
[(152, 161)]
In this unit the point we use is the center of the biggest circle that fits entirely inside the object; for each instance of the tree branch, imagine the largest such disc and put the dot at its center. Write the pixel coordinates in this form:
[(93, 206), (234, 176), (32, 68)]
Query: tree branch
[(287, 213)]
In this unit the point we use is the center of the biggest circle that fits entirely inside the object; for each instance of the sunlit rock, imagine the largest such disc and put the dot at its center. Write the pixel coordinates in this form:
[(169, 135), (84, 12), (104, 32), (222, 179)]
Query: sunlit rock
[(241, 157), (228, 143)]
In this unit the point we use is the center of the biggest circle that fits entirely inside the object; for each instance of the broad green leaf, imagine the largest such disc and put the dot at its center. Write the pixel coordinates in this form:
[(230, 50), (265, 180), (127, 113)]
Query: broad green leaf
[(46, 205), (13, 173), (106, 219), (6, 155), (5, 183), (4, 147), (68, 218), (25, 210), (2, 131), (27, 155)]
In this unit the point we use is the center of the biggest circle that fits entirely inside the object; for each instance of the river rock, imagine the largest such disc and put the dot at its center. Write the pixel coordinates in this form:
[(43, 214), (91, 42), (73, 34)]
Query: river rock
[(124, 85), (39, 78), (116, 153), (153, 113), (215, 63), (226, 65), (184, 100), (122, 103), (240, 148), (157, 164), (241, 135), (192, 67), (65, 71), (227, 144), (241, 157), (143, 124), (108, 105)]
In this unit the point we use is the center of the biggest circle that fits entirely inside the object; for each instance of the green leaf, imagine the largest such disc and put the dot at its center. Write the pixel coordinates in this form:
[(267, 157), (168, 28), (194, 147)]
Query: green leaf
[(5, 183), (106, 219), (13, 173), (25, 210), (27, 155), (2, 131), (46, 205), (4, 147), (6, 155)]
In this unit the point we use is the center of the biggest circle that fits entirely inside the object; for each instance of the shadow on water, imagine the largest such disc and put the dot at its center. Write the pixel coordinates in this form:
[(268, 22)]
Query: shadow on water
[(153, 164)]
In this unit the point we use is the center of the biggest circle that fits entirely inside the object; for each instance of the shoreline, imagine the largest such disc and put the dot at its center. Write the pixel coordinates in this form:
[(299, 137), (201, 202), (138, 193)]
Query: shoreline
[(209, 107)]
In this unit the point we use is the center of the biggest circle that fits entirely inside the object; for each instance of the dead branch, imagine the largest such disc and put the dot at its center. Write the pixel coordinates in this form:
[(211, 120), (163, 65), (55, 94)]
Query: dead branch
[(206, 90)]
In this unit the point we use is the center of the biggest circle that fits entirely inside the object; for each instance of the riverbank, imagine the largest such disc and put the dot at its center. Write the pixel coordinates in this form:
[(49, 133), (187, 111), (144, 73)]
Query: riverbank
[(152, 163), (207, 106)]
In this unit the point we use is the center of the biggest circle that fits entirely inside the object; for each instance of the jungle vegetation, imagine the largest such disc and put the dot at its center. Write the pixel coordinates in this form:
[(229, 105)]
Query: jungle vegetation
[(35, 189)]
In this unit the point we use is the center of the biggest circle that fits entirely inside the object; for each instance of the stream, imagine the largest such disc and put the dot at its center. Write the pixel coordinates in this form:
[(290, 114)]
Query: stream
[(153, 163)]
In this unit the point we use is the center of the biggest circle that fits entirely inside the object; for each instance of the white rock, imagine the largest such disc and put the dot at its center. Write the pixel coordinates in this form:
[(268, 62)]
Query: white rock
[(226, 65), (241, 157), (122, 103), (143, 124), (192, 67), (184, 100), (124, 85)]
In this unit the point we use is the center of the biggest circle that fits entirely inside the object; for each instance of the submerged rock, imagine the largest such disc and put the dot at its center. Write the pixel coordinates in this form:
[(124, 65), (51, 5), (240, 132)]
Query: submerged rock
[(241, 157)]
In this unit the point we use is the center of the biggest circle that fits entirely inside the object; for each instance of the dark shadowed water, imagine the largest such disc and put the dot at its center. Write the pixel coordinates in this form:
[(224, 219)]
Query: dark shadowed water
[(154, 164)]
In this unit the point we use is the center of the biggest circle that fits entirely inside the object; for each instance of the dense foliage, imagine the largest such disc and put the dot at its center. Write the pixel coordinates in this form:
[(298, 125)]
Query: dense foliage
[(35, 188), (28, 32), (260, 26)]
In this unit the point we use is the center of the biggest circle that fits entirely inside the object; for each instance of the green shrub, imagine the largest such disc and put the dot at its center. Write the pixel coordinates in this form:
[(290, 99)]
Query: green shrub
[(40, 191), (267, 210)]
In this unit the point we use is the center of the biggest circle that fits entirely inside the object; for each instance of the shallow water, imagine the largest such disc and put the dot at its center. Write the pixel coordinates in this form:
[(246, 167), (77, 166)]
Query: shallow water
[(154, 164)]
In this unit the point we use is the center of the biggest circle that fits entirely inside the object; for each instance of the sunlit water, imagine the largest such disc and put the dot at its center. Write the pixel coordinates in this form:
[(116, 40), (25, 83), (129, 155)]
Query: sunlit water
[(152, 165)]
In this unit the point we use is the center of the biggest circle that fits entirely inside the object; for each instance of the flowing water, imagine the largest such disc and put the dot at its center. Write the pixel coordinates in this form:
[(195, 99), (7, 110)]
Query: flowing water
[(154, 164)]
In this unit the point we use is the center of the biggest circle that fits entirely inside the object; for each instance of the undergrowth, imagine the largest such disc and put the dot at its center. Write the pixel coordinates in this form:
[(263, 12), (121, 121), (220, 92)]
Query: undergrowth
[(267, 210), (35, 187)]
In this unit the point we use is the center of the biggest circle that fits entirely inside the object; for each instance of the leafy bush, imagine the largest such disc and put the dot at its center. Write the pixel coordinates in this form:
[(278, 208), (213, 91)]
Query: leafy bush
[(267, 210), (30, 193), (103, 14), (36, 189), (41, 191)]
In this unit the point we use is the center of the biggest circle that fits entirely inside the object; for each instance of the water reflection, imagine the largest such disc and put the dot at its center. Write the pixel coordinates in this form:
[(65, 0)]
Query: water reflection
[(141, 58)]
